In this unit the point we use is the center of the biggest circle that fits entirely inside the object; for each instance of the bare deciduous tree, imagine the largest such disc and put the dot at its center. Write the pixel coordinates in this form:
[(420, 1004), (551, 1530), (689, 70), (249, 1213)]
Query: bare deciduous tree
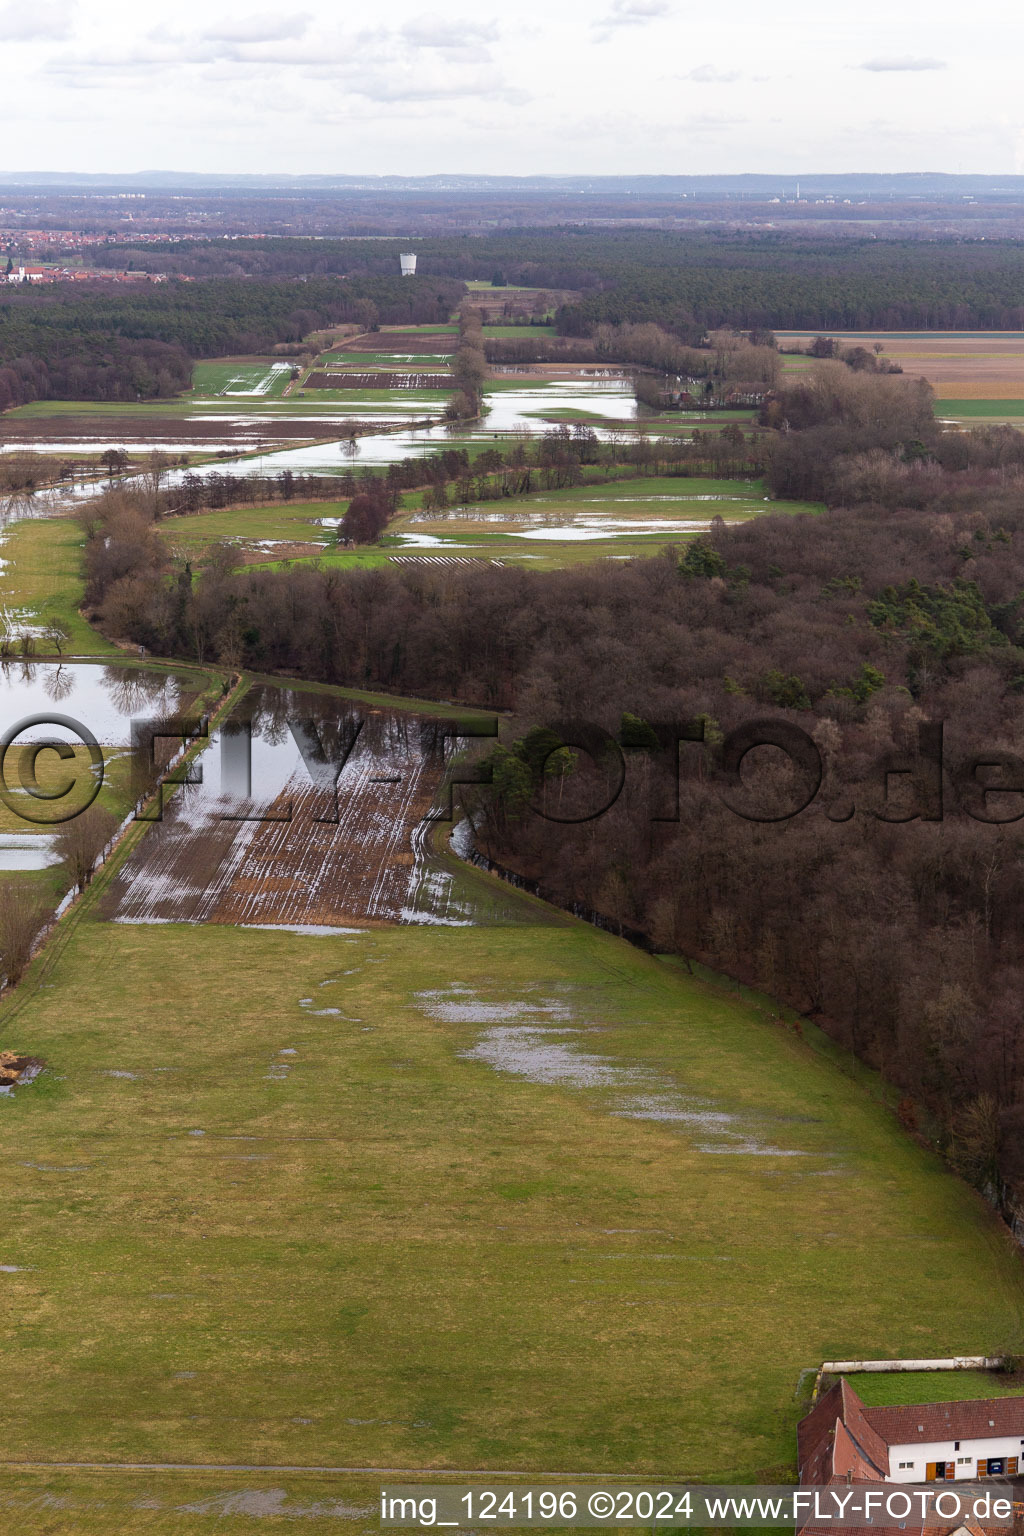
[(21, 918), (80, 841)]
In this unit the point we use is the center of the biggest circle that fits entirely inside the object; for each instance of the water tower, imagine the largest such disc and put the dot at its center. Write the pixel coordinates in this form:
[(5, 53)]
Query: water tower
[(408, 261)]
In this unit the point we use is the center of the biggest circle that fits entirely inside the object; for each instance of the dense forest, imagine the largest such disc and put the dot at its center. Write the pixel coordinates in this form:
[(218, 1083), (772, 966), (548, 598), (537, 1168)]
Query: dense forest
[(120, 343), (889, 631), (242, 296), (684, 281)]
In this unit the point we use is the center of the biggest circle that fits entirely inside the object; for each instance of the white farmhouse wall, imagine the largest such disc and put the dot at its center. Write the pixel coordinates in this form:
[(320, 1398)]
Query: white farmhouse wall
[(942, 1450)]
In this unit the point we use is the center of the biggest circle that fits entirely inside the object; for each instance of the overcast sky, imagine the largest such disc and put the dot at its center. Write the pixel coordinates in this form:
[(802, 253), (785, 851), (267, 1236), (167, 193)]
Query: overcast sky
[(613, 86)]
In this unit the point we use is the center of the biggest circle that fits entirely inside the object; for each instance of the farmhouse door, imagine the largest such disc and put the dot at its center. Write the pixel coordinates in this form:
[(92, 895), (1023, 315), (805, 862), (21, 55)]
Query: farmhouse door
[(930, 1472)]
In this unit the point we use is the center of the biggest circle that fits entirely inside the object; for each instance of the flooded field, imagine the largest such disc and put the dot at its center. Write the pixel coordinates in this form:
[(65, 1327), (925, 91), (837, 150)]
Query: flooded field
[(104, 699), (672, 506), (314, 436), (303, 819), (189, 432), (26, 851), (508, 411)]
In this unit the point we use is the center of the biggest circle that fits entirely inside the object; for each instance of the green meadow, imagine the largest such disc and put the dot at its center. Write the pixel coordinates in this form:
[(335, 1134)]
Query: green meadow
[(305, 1201), (992, 410), (42, 576), (499, 529), (512, 1196), (891, 1388)]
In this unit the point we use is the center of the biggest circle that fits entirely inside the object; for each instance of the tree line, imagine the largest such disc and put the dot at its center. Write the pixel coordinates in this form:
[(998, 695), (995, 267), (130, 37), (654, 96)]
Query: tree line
[(117, 343), (685, 281)]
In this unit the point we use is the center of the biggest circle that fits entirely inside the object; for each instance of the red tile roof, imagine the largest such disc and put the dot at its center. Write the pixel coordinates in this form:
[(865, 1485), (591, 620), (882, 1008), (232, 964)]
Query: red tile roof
[(837, 1430), (842, 1441), (921, 1423)]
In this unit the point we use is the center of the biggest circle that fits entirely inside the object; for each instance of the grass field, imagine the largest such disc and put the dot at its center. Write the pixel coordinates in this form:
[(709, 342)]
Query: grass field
[(890, 1388), (292, 521), (244, 378), (179, 406), (495, 529), (547, 556), (42, 576), (50, 884), (511, 1195), (254, 1228), (983, 409), (101, 1502), (52, 773), (641, 515)]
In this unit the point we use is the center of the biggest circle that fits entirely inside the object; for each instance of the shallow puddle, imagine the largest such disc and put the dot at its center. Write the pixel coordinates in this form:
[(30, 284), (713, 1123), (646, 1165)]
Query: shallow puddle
[(540, 1040)]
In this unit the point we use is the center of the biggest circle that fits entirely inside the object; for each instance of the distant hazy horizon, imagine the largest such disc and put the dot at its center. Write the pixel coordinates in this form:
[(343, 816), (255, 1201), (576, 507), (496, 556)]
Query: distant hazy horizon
[(787, 184)]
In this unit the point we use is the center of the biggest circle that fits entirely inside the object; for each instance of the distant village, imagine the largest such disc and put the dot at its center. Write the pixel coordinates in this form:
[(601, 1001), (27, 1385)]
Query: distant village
[(54, 274), (35, 255)]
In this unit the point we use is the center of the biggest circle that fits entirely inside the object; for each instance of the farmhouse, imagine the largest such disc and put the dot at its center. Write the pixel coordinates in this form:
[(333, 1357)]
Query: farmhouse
[(842, 1439)]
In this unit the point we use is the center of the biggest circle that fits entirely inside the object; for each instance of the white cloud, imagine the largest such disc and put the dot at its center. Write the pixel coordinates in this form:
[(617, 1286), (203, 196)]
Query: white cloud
[(901, 64), (457, 42), (707, 74), (50, 20), (418, 63), (438, 32), (631, 13), (263, 28)]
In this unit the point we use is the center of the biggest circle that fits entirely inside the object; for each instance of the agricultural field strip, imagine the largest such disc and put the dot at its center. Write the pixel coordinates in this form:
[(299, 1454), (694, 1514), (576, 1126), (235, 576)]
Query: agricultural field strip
[(197, 866), (336, 379), (958, 365)]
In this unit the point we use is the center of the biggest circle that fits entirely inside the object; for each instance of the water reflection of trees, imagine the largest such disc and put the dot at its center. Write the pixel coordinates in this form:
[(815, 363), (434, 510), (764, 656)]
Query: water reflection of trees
[(334, 722), (133, 691), (59, 683), (19, 669), (15, 506)]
